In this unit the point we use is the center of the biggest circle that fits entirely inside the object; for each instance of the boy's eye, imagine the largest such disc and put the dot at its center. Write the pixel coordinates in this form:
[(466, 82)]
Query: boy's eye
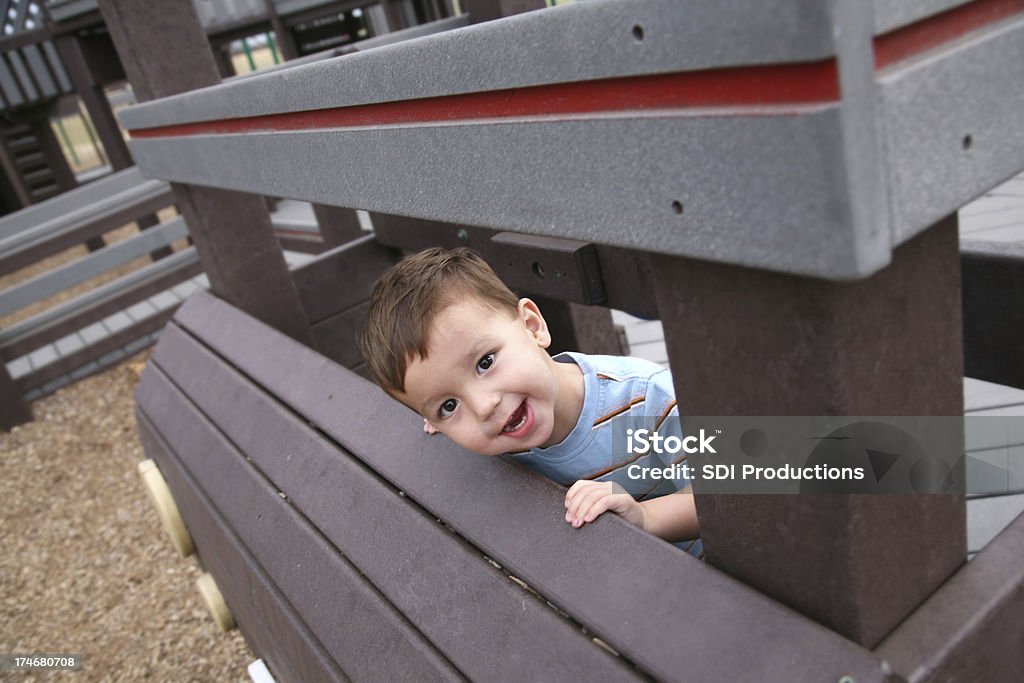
[(485, 363), (448, 407)]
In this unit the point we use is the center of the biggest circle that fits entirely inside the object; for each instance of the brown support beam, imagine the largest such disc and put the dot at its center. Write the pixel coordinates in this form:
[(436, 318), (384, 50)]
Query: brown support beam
[(337, 225), (285, 40), (165, 53), (89, 87), (748, 342), (573, 327), (13, 409), (55, 159), (396, 20), (95, 100), (486, 10), (14, 177)]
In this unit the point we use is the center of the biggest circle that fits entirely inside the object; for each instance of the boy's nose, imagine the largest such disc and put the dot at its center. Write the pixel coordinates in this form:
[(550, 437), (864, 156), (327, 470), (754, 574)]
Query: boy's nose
[(485, 405)]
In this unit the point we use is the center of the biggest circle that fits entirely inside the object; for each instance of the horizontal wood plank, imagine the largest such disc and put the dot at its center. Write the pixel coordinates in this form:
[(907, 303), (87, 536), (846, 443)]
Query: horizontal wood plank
[(340, 606), (27, 248), (68, 362), (271, 626), (342, 277), (70, 202), (96, 304), (94, 264)]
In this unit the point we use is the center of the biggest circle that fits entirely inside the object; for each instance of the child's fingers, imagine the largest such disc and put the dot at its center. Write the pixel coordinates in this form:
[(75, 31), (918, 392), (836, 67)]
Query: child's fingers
[(580, 490), (589, 502), (574, 490)]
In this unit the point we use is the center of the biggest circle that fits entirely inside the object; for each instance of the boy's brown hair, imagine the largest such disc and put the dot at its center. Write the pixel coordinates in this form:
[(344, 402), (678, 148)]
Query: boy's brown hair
[(408, 297)]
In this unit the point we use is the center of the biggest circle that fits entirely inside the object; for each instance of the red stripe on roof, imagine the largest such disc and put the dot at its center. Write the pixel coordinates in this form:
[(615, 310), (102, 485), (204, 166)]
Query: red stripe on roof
[(758, 86), (942, 28), (749, 89)]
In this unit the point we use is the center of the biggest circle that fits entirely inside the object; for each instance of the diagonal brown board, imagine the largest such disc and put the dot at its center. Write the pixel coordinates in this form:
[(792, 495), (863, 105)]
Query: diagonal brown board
[(445, 588), (270, 624)]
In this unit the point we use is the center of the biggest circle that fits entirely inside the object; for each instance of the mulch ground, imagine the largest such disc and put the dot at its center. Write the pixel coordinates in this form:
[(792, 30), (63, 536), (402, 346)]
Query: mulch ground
[(85, 565)]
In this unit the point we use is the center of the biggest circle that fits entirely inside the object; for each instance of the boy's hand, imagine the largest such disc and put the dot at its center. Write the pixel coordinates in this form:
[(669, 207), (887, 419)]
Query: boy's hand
[(586, 500), (429, 428)]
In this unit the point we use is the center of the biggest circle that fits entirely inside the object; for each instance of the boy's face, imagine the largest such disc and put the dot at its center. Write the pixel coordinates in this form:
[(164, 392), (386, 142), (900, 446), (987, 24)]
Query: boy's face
[(487, 382)]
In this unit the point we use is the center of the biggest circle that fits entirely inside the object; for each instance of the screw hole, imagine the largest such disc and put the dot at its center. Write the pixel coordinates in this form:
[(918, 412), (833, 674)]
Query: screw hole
[(968, 141), (538, 269), (638, 32), (677, 206)]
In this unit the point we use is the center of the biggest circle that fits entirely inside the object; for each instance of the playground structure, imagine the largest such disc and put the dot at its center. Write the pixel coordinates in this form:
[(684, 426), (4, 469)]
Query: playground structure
[(94, 330), (53, 52), (789, 198)]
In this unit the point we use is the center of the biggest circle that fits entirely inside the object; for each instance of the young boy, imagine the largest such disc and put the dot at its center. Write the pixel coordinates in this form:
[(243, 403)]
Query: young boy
[(447, 338)]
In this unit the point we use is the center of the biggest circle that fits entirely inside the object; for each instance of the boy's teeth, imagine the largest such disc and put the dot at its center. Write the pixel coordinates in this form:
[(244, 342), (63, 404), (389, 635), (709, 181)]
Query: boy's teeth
[(519, 423)]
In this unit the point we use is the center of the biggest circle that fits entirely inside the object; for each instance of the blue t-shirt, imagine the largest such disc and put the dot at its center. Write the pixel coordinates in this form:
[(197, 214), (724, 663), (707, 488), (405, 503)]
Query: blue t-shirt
[(620, 393)]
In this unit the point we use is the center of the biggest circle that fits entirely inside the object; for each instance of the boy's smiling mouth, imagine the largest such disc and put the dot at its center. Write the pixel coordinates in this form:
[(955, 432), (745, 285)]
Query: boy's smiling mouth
[(519, 422)]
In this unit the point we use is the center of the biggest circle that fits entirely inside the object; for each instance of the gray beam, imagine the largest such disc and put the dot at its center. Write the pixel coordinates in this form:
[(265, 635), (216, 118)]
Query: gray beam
[(51, 282), (838, 182), (576, 42)]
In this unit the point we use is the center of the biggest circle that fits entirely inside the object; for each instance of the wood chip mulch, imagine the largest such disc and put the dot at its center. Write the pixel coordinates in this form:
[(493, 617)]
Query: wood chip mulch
[(85, 565)]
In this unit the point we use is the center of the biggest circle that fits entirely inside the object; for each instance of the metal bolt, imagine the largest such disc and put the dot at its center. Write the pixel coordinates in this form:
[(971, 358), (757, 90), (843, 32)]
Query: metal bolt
[(463, 236)]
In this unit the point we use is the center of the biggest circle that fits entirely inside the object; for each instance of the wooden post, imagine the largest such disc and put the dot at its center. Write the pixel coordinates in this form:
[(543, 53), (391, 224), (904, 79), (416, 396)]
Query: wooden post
[(285, 40), (486, 10), (165, 53), (90, 89), (89, 86), (749, 342), (337, 225), (13, 408)]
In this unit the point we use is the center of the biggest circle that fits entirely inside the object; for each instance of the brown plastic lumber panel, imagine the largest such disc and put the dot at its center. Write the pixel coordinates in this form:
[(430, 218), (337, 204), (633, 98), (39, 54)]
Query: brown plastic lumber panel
[(446, 589), (972, 627), (337, 337), (342, 277), (73, 361), (13, 409), (338, 225), (559, 268), (268, 622), (993, 300), (749, 342), (28, 254), (78, 317), (625, 283), (302, 245), (336, 600), (575, 327), (642, 596)]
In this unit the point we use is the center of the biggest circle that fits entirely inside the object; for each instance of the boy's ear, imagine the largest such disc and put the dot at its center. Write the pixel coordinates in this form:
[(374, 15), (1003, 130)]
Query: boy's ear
[(533, 321)]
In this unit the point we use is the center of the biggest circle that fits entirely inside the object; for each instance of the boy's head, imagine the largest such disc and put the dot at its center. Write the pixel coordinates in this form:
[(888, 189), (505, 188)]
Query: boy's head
[(447, 338), (407, 299)]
